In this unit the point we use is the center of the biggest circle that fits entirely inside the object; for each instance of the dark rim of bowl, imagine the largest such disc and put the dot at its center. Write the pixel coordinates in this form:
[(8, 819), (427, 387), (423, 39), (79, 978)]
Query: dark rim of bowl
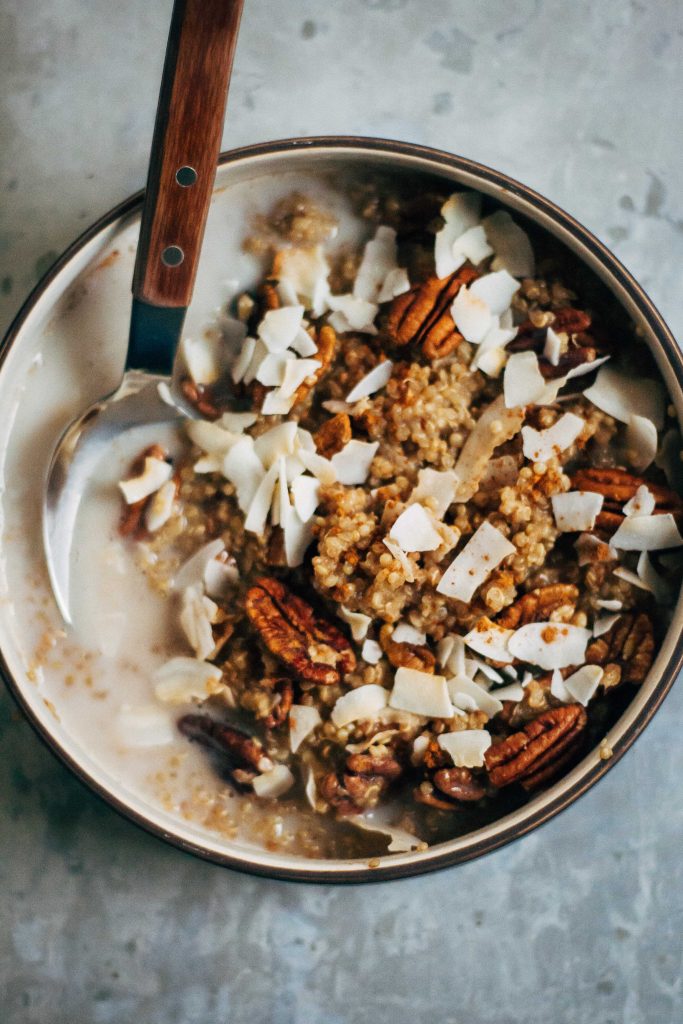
[(437, 160)]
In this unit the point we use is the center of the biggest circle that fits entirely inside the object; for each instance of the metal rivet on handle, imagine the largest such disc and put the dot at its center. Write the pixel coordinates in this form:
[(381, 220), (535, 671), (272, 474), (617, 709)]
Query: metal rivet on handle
[(172, 256), (186, 176)]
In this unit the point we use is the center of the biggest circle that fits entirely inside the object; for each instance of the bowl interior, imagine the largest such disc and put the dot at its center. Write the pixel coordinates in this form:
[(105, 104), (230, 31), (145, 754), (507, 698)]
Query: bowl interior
[(67, 348)]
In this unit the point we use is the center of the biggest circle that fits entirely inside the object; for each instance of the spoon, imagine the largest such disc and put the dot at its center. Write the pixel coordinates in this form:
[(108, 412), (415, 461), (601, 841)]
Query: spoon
[(182, 169)]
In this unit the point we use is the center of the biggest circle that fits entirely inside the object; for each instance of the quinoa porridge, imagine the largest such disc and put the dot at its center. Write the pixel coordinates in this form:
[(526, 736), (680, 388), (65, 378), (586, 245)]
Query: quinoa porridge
[(415, 552)]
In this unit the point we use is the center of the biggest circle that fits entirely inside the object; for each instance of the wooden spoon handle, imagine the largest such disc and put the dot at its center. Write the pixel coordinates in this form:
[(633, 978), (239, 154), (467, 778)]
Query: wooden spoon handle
[(185, 147)]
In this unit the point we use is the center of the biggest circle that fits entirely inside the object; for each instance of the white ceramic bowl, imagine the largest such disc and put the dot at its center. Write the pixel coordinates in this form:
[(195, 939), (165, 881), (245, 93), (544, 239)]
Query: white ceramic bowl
[(77, 320)]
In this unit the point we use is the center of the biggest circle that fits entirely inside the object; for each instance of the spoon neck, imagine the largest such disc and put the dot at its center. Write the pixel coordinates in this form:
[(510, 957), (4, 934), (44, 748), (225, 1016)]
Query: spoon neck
[(154, 336)]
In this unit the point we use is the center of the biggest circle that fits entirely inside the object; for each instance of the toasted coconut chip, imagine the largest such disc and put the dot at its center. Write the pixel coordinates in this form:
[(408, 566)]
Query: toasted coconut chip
[(576, 511), (358, 622), (279, 440), (154, 474), (400, 555), (303, 343), (550, 644), (182, 680), (471, 316), (583, 369), (296, 372), (610, 606), (259, 507), (352, 463), (641, 504), (352, 314), (436, 487), (212, 438), (623, 396), (208, 464), (472, 246), (302, 721), (476, 665), (460, 213), (552, 350), (420, 744), (243, 360), (363, 702), (160, 508), (143, 726), (641, 442), (395, 283), (375, 380), (653, 581), (490, 640), (401, 841), (496, 425), (279, 327), (371, 652), (404, 633), (271, 371), (379, 260), (220, 578), (197, 615), (312, 796), (581, 685), (496, 290), (243, 468), (558, 689), (524, 384), (631, 577), (542, 445), (451, 654), (274, 783), (306, 496), (276, 404), (467, 747), (420, 693), (414, 530), (477, 560), (237, 422), (513, 692), (260, 353), (305, 271), (511, 245), (320, 467), (192, 571), (591, 549), (490, 361), (647, 533), (604, 624), (202, 359), (476, 697)]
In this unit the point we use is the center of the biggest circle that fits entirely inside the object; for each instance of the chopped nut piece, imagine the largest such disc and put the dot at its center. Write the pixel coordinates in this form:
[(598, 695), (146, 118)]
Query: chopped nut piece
[(538, 605), (333, 435)]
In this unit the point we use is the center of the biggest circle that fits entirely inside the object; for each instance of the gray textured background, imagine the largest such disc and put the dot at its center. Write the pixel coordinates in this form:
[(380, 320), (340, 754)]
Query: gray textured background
[(579, 923)]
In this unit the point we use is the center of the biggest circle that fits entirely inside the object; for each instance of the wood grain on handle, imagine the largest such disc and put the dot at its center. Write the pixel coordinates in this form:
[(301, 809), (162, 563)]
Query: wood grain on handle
[(187, 133)]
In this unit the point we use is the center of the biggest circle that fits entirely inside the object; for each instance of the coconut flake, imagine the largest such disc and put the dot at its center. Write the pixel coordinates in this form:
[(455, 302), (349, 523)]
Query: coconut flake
[(212, 438), (460, 213), (279, 440), (155, 473), (363, 702), (143, 726), (271, 371), (610, 606), (352, 464), (641, 504), (395, 283), (470, 696), (524, 384), (576, 511), (581, 685), (197, 615), (647, 533), (274, 783), (490, 640), (192, 571), (420, 693), (237, 422), (371, 652), (220, 577), (296, 372), (652, 580), (402, 558), (542, 445), (472, 246), (279, 327), (451, 654), (480, 556), (358, 622), (379, 260), (181, 680), (304, 271), (490, 361), (352, 314), (320, 467), (467, 747), (259, 507), (552, 350), (513, 692), (160, 508), (641, 441), (496, 425), (496, 290), (550, 644), (243, 468), (414, 530), (631, 577), (202, 359), (404, 633), (306, 496), (302, 721), (436, 487), (510, 243), (471, 316), (276, 404), (558, 689), (303, 343), (243, 361), (373, 381), (604, 623), (625, 396)]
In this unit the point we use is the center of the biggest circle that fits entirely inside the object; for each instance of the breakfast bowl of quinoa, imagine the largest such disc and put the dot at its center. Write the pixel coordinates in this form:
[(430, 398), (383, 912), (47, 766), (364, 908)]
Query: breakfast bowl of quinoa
[(405, 581)]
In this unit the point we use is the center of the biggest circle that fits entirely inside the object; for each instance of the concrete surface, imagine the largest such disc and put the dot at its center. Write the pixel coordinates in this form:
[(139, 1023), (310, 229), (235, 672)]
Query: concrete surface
[(579, 923)]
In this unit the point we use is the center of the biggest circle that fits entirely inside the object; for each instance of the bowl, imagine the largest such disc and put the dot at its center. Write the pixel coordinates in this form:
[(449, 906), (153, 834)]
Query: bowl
[(66, 347)]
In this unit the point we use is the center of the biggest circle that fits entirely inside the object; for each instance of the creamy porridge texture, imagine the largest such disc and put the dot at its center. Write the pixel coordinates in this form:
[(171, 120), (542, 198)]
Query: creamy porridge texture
[(411, 559)]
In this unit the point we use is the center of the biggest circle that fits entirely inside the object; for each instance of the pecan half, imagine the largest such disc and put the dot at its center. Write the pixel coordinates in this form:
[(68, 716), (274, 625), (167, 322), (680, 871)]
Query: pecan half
[(312, 647), (536, 754), (538, 605), (332, 435), (131, 521), (617, 487), (244, 755), (459, 784), (403, 655), (628, 645), (351, 794), (375, 764), (422, 314)]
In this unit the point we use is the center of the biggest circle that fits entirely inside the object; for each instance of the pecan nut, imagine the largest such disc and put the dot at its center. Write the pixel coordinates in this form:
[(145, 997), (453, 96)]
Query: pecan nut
[(459, 784), (581, 348), (283, 693), (422, 314), (351, 794), (405, 655), (315, 650), (244, 755), (629, 646), (538, 605), (617, 487), (334, 433), (203, 397), (537, 753)]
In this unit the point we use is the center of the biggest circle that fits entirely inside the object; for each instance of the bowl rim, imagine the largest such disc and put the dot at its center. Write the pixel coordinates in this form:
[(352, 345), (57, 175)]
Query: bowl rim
[(415, 863)]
